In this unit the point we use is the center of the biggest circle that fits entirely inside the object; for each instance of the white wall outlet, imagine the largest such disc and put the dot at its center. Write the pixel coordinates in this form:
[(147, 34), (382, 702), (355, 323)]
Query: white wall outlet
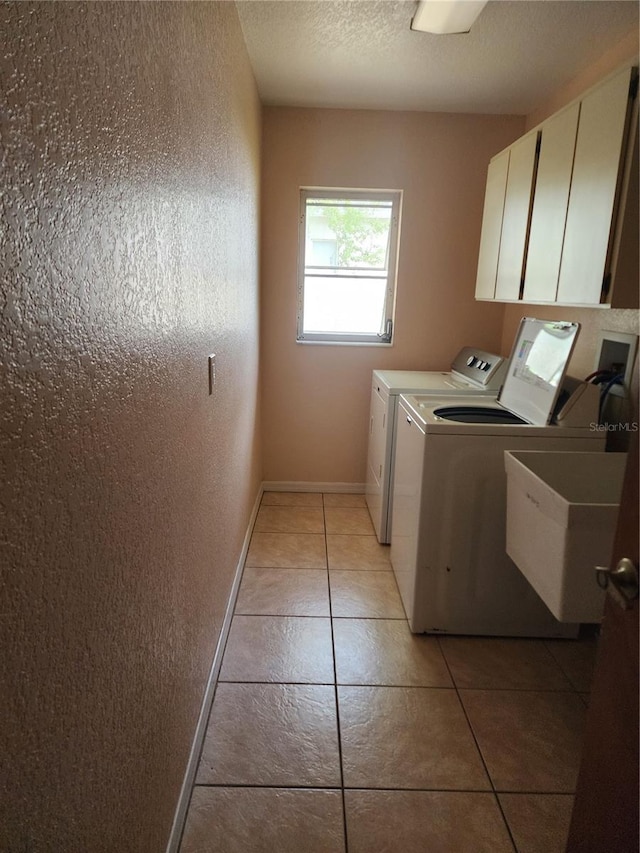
[(617, 352), (212, 372)]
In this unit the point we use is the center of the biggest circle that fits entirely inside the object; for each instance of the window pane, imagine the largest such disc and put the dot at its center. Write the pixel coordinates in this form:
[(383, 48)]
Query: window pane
[(323, 253), (358, 232), (344, 305)]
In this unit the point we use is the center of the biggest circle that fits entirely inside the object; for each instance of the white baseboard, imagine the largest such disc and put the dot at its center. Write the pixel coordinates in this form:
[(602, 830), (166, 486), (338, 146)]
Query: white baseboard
[(180, 816), (297, 486)]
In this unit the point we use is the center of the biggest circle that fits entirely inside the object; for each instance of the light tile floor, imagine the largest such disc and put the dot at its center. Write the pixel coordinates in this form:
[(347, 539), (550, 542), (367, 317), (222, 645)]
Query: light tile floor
[(335, 730)]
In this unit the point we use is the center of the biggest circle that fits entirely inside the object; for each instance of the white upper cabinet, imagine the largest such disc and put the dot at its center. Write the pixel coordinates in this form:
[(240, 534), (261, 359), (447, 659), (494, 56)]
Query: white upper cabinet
[(492, 226), (590, 216), (549, 214), (515, 219), (563, 232)]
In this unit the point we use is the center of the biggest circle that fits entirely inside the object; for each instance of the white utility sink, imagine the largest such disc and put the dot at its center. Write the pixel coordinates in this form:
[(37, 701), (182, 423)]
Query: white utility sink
[(562, 509)]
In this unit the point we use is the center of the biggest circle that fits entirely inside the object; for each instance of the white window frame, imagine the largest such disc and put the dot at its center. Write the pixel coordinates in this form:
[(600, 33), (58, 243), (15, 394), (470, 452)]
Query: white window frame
[(385, 336)]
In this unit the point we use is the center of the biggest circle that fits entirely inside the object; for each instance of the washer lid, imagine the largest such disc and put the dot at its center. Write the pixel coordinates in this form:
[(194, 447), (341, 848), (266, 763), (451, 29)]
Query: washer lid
[(536, 368), (416, 381)]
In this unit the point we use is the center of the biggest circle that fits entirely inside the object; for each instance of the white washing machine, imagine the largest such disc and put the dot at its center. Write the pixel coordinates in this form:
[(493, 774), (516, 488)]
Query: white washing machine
[(473, 372), (449, 497)]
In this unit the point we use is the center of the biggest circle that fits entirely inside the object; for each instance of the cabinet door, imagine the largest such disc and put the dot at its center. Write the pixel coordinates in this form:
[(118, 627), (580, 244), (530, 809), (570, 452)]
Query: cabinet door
[(599, 150), (550, 203), (625, 261), (492, 226), (515, 221)]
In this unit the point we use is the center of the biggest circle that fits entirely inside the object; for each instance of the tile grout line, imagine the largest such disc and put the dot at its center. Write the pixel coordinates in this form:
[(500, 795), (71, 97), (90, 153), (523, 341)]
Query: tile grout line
[(392, 686), (220, 680), (563, 670), (475, 740), (438, 790), (215, 689), (335, 688), (339, 741)]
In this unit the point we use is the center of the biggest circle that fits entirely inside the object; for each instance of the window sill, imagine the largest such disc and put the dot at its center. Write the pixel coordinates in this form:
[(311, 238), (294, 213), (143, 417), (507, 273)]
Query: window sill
[(345, 343)]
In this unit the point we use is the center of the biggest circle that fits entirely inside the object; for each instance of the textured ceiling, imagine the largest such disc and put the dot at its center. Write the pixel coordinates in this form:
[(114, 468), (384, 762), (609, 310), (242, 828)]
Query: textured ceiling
[(362, 53)]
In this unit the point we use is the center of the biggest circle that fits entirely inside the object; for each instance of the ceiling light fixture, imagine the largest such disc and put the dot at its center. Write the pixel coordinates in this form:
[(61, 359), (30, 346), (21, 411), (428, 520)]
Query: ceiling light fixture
[(446, 16)]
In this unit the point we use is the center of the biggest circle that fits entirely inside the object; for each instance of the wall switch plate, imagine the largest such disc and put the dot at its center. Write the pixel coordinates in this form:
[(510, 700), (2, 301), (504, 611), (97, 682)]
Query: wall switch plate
[(212, 372)]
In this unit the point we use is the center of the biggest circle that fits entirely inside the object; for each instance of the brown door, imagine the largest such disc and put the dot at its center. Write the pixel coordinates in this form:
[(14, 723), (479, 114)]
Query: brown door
[(605, 815)]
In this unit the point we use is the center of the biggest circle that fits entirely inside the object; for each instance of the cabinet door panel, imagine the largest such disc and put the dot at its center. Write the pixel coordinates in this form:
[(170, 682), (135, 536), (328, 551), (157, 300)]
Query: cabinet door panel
[(515, 222), (599, 149), (492, 226), (550, 206)]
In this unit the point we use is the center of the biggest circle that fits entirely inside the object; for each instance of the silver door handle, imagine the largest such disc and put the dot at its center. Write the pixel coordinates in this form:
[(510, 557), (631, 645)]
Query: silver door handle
[(621, 582)]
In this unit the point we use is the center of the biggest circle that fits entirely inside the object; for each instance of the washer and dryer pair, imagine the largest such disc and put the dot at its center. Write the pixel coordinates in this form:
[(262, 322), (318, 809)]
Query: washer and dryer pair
[(449, 493)]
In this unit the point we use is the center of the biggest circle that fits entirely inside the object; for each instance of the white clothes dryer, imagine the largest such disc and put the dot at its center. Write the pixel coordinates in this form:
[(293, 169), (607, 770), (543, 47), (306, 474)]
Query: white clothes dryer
[(473, 372)]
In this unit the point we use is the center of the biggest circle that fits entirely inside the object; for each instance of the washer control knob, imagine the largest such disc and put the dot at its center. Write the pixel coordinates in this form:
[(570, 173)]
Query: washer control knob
[(471, 360), (486, 365)]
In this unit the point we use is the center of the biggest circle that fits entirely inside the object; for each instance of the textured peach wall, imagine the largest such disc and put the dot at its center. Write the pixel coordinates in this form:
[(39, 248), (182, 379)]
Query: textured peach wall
[(615, 57), (130, 174), (592, 320), (316, 398)]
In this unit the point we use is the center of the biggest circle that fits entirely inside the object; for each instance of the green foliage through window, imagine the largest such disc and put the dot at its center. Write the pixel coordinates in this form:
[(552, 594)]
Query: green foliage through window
[(358, 231)]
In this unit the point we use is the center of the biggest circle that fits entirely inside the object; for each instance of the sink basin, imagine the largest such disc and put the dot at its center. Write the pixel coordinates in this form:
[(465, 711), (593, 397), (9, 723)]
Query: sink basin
[(562, 510)]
